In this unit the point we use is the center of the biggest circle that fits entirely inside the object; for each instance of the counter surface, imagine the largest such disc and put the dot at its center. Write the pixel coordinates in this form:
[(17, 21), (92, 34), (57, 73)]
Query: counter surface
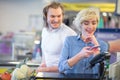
[(14, 63), (51, 75)]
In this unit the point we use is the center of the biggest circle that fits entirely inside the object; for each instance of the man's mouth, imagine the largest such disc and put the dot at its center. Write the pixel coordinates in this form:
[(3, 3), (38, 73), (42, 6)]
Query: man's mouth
[(55, 22)]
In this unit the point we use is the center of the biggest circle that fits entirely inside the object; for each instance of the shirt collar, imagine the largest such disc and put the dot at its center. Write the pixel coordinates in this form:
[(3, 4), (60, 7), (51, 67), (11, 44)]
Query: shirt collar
[(78, 36)]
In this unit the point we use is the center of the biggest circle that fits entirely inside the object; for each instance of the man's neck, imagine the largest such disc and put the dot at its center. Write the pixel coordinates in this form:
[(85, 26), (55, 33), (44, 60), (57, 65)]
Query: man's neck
[(52, 29)]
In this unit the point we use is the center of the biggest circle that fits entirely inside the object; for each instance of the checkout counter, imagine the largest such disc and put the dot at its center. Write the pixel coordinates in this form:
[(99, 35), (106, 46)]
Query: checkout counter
[(12, 64), (61, 76), (5, 65), (50, 75)]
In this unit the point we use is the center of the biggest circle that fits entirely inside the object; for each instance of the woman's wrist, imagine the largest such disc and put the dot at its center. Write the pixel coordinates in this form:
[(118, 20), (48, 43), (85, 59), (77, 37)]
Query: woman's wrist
[(81, 55)]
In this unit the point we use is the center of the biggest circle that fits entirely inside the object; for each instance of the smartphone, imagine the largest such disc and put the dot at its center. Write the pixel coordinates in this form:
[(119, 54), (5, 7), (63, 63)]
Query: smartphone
[(94, 47)]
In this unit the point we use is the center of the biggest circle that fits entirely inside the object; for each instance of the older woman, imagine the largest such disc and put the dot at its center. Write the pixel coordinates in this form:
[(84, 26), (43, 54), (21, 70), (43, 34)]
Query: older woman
[(77, 52)]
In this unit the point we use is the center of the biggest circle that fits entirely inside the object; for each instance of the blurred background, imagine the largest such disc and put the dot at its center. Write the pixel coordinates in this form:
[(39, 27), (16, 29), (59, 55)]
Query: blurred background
[(21, 22)]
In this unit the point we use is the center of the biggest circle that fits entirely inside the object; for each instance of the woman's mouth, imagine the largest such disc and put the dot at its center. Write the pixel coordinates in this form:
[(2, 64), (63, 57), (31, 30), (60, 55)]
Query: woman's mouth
[(89, 30)]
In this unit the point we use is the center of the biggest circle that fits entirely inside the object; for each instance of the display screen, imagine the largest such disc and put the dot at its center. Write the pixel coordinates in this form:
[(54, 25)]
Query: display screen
[(108, 34), (117, 9)]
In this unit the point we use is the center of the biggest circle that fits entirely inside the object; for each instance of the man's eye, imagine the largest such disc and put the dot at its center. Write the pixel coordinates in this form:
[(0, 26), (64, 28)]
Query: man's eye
[(52, 16), (59, 16)]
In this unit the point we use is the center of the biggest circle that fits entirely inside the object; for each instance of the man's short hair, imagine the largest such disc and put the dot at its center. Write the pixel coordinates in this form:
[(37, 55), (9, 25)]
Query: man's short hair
[(54, 5)]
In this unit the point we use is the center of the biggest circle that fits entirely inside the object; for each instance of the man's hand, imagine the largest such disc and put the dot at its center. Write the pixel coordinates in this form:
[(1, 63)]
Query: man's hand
[(42, 65), (42, 69), (47, 69)]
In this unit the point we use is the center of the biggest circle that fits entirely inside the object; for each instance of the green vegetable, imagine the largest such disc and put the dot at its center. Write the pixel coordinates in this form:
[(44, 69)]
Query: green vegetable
[(22, 63)]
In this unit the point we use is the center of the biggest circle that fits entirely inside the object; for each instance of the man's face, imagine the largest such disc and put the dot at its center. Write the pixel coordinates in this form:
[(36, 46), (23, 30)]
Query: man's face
[(54, 17)]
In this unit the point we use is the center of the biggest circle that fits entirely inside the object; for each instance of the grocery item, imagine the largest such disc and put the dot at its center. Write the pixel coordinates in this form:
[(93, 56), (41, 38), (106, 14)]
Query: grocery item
[(22, 71), (5, 76)]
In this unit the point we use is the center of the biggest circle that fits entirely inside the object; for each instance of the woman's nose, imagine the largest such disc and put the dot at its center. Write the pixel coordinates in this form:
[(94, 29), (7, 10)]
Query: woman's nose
[(89, 27)]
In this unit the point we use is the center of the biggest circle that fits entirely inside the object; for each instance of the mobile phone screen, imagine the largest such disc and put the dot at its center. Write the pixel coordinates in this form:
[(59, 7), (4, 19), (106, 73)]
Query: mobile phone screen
[(94, 47)]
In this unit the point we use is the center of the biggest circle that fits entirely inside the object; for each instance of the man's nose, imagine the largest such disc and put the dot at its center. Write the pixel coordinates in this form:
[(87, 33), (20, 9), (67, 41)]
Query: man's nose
[(56, 19)]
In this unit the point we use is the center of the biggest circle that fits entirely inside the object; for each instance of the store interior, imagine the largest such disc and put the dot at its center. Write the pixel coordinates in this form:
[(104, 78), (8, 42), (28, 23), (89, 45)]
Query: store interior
[(21, 23)]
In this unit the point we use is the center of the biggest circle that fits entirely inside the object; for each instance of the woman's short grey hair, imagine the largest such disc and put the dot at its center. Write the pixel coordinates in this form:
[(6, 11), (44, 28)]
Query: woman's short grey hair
[(86, 14)]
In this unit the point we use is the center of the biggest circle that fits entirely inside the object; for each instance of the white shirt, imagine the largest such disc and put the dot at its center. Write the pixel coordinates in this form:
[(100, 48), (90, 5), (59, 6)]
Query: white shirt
[(52, 43)]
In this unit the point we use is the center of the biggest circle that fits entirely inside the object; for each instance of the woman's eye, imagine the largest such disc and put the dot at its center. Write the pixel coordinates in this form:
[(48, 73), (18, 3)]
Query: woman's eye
[(86, 23), (94, 23)]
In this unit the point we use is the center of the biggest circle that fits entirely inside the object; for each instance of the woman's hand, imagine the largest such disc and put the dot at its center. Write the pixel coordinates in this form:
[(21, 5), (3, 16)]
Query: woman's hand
[(85, 52), (94, 41), (95, 51)]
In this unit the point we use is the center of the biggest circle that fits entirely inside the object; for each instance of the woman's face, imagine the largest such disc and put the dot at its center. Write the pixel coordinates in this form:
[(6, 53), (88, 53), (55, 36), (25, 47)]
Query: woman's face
[(89, 27)]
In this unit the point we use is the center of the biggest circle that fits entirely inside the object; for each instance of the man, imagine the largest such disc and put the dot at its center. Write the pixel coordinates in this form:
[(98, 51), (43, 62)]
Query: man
[(53, 36)]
